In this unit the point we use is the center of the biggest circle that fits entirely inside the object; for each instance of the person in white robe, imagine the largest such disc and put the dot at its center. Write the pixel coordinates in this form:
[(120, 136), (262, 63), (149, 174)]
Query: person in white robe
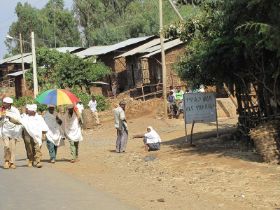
[(35, 129), (54, 134), (10, 131), (26, 141), (151, 139), (72, 131)]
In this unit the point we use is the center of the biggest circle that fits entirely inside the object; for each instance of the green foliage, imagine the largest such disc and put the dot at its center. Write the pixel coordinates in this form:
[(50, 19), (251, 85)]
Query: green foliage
[(22, 101), (61, 70), (235, 42), (53, 26), (102, 102), (83, 96), (107, 21)]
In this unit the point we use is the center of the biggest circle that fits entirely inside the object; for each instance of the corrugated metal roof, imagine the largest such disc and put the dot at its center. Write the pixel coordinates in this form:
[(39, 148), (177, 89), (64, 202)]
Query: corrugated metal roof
[(15, 74), (91, 51), (141, 48), (27, 59), (67, 49), (12, 58), (101, 50), (167, 45)]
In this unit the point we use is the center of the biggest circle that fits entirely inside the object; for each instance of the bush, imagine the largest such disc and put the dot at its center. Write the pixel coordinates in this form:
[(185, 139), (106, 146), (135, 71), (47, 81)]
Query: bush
[(102, 103), (84, 97), (22, 101)]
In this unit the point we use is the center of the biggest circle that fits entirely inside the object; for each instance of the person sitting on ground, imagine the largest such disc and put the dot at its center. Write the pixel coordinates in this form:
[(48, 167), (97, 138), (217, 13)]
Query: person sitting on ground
[(151, 139)]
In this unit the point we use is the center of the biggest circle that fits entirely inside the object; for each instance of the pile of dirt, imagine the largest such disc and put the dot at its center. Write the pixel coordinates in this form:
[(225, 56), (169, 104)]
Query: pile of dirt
[(88, 121), (267, 141), (137, 108)]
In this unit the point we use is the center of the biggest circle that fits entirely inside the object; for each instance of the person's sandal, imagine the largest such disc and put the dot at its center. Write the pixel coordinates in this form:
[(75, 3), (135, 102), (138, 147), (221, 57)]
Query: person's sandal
[(6, 165), (12, 166), (29, 163), (72, 161), (38, 165)]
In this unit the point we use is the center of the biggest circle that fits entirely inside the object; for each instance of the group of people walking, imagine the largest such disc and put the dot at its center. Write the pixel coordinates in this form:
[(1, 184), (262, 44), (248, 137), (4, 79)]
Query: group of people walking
[(34, 128), (54, 127)]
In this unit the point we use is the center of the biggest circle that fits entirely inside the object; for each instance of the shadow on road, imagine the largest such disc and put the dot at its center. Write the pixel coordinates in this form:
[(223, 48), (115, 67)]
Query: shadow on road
[(207, 143)]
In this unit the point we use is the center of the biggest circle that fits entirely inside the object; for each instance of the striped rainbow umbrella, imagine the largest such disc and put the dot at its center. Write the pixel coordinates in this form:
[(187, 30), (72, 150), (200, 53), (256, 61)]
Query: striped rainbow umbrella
[(57, 97)]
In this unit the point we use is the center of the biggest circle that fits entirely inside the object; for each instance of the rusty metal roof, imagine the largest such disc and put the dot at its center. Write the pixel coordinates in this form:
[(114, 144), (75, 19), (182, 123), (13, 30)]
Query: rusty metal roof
[(157, 49), (15, 58), (101, 50)]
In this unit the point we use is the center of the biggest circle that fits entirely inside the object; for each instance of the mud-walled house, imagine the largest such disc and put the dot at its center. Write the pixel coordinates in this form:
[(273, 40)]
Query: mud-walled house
[(144, 68), (107, 55), (11, 74)]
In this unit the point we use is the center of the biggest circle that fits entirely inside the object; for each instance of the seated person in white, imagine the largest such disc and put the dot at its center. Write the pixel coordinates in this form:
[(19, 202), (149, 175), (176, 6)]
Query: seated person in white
[(151, 139)]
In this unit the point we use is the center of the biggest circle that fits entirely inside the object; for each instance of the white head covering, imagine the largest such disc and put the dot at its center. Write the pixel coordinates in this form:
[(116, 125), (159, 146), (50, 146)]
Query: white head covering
[(152, 136), (32, 107), (8, 100)]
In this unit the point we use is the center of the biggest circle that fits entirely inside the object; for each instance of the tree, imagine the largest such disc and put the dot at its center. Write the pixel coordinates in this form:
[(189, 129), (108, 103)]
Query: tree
[(110, 21), (61, 70), (236, 42), (53, 26)]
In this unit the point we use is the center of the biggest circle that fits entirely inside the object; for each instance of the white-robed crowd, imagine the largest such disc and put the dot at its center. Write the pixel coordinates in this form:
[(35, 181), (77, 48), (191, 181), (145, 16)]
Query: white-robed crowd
[(33, 128), (54, 127)]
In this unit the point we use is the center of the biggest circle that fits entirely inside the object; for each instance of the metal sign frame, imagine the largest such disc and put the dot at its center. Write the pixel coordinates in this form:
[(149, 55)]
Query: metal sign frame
[(194, 121)]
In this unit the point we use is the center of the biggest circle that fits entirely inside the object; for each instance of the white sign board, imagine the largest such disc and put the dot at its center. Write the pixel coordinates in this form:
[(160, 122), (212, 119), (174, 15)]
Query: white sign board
[(200, 107)]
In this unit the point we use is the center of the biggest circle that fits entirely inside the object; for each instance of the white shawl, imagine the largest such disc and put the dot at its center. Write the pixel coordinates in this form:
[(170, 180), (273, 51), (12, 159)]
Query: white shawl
[(54, 133), (152, 136), (9, 129), (34, 126), (71, 127)]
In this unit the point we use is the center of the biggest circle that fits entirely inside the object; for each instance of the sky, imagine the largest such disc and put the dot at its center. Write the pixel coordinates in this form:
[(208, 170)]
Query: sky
[(7, 16)]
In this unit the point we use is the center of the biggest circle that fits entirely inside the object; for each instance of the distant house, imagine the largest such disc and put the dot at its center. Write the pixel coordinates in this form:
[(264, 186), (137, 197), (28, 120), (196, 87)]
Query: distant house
[(11, 75), (107, 55), (143, 64), (11, 79)]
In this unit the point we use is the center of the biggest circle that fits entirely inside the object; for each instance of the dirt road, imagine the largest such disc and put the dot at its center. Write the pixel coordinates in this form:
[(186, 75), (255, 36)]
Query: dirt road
[(216, 174)]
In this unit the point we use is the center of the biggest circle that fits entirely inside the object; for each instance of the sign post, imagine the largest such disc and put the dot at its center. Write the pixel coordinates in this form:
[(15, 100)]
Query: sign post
[(199, 107)]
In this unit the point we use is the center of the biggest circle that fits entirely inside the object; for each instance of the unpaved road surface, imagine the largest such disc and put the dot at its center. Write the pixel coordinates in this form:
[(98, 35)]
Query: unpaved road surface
[(216, 174)]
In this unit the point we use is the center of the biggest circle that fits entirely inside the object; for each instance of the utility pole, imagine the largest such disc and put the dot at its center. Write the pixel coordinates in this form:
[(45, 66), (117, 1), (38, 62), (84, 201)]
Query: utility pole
[(176, 10), (54, 24), (163, 59), (22, 64), (35, 80)]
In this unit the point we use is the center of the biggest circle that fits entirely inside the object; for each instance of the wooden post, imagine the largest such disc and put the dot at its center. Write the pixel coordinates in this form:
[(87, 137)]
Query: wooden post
[(186, 132), (217, 126), (35, 79), (192, 133), (22, 64), (163, 59), (143, 93)]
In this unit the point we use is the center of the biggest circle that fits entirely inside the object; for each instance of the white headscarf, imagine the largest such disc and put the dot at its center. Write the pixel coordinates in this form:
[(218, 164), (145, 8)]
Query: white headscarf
[(8, 100), (152, 136)]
